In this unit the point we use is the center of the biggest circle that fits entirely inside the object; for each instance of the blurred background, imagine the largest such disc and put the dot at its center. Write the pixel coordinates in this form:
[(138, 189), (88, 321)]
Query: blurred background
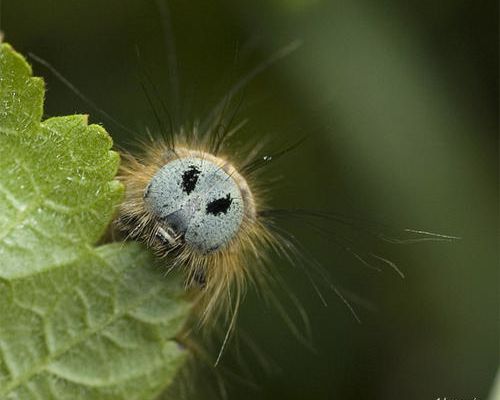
[(399, 100)]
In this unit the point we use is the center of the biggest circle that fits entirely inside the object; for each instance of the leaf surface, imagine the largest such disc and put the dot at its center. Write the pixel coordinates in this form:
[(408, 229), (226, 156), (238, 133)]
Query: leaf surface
[(76, 321)]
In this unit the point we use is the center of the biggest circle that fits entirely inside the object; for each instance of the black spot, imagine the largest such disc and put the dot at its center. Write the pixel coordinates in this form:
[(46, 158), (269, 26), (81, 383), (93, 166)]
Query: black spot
[(190, 178), (219, 206)]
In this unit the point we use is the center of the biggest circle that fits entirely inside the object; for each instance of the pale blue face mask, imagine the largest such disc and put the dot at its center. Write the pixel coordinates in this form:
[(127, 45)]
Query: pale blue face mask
[(196, 202)]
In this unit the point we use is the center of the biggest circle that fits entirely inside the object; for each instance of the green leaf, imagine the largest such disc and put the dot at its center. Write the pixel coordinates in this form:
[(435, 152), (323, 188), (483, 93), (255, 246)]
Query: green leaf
[(76, 321)]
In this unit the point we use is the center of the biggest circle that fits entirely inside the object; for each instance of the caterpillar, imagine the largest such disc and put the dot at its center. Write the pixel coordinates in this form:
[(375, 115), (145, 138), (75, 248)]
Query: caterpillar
[(204, 206)]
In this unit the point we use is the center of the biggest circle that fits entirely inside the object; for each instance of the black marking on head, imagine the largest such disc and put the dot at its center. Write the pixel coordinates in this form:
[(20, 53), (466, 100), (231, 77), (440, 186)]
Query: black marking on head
[(190, 178), (219, 206)]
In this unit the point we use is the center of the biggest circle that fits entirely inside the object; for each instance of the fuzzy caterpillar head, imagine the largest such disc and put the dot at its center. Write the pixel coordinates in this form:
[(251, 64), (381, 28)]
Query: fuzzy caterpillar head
[(198, 212), (200, 201)]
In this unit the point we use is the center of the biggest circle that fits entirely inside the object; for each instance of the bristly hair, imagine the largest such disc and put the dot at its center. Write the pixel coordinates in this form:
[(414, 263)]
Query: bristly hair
[(222, 277), (224, 274)]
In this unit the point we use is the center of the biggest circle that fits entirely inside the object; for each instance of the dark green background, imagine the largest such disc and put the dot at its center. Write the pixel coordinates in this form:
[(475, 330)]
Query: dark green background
[(400, 102)]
